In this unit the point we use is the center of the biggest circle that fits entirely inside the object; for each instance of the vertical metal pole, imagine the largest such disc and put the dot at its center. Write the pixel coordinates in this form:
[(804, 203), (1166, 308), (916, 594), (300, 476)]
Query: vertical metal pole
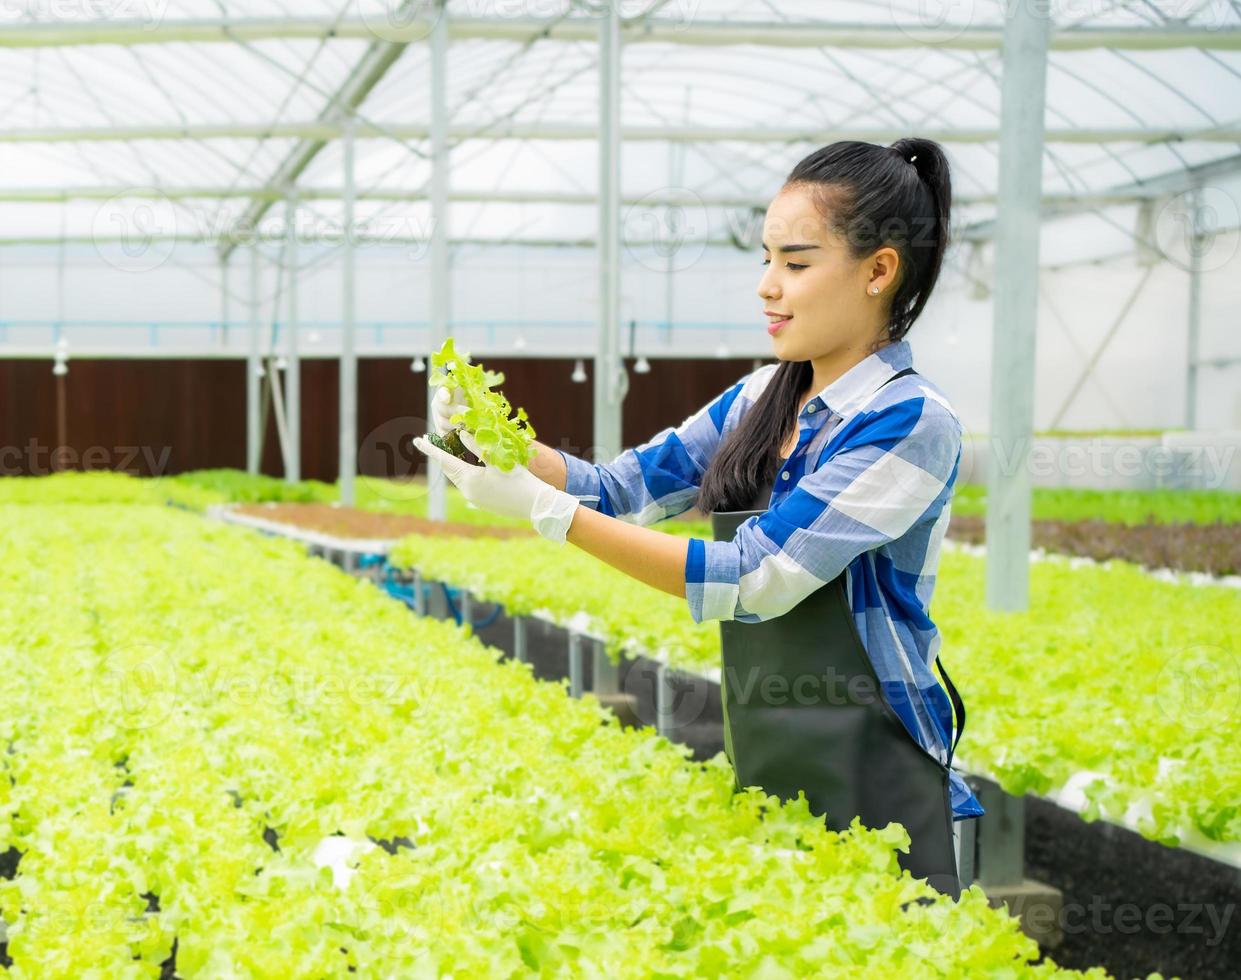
[(224, 301), (420, 599), (293, 373), (964, 841), (663, 719), (676, 178), (277, 404), (437, 601), (440, 271), (61, 342), (60, 283), (519, 639), (62, 424), (1015, 310), (575, 664), (467, 609), (1195, 310), (1001, 837), (605, 675), (254, 435), (610, 379), (348, 361)]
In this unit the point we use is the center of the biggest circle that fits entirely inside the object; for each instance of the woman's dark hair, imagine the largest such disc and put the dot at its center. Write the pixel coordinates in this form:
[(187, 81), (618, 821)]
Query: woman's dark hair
[(871, 196)]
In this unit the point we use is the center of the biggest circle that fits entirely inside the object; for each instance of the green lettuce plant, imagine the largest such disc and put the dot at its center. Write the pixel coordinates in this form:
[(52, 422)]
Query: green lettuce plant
[(504, 442), (1146, 708), (1129, 507), (193, 708)]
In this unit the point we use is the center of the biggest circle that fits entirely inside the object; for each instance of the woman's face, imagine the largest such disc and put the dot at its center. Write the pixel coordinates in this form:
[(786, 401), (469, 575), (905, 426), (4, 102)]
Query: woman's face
[(816, 296)]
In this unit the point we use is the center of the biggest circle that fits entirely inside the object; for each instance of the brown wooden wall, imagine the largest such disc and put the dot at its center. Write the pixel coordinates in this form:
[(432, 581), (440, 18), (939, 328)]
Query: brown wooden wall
[(168, 416)]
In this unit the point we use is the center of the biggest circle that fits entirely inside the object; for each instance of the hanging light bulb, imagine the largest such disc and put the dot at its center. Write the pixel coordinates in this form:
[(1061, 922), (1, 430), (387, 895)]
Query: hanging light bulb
[(418, 365), (62, 345), (282, 363), (579, 372), (59, 367), (643, 366)]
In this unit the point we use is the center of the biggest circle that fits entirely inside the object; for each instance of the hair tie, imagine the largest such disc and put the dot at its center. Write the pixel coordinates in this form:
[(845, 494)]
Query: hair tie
[(913, 158)]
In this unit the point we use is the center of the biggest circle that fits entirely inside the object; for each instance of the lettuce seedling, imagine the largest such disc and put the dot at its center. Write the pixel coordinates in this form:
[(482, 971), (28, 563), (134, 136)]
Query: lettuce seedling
[(505, 442)]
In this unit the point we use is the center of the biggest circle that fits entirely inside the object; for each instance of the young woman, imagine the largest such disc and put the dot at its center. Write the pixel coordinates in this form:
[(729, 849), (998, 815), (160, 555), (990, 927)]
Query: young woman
[(828, 477)]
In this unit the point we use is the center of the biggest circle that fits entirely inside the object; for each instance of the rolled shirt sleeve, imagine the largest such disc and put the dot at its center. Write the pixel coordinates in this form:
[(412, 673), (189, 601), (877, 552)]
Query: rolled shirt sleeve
[(883, 474), (582, 480), (659, 478)]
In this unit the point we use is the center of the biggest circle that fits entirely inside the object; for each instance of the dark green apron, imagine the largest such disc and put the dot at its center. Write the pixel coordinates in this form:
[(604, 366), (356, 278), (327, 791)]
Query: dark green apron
[(804, 710)]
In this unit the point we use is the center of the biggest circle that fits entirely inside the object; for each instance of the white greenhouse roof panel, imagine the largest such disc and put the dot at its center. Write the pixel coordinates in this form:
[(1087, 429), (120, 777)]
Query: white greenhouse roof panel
[(173, 83), (203, 102)]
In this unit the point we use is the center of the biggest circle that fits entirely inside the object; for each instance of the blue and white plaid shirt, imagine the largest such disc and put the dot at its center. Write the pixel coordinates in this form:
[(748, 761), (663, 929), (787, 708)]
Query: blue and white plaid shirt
[(868, 488)]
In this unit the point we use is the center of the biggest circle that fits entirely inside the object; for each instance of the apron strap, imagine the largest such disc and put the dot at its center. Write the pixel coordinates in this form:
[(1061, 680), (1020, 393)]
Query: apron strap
[(958, 706), (899, 374), (958, 709)]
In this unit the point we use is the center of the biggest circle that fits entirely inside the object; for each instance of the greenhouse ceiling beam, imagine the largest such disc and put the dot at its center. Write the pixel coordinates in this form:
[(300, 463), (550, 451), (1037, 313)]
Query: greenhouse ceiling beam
[(1170, 183), (1176, 181), (331, 238), (671, 30), (363, 238), (360, 82), (321, 131), (59, 195)]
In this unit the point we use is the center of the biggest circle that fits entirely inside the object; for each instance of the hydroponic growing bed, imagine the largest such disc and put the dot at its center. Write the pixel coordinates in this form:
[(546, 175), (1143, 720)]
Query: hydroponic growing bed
[(514, 591), (195, 709), (1102, 874), (1075, 693)]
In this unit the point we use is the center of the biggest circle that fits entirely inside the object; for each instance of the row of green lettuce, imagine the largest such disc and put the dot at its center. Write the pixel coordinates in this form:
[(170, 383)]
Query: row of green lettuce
[(191, 709), (1109, 672), (200, 489), (1130, 507)]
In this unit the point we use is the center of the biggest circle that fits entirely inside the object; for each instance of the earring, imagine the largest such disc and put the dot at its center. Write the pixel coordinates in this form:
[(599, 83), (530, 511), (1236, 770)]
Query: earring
[(874, 290)]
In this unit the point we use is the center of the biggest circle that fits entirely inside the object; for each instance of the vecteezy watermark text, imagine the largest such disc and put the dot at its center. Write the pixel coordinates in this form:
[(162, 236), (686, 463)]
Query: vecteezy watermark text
[(37, 459), (1103, 918)]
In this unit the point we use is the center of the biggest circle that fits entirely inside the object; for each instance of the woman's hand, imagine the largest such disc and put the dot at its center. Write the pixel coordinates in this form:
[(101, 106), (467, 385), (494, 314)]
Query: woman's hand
[(444, 406), (517, 493)]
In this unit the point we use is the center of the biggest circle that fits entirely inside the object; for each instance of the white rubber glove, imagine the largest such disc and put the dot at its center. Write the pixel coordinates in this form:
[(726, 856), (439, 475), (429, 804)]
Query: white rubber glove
[(517, 493), (444, 406)]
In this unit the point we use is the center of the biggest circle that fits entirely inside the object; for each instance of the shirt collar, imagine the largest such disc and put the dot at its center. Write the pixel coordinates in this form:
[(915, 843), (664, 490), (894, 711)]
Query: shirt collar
[(855, 386)]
